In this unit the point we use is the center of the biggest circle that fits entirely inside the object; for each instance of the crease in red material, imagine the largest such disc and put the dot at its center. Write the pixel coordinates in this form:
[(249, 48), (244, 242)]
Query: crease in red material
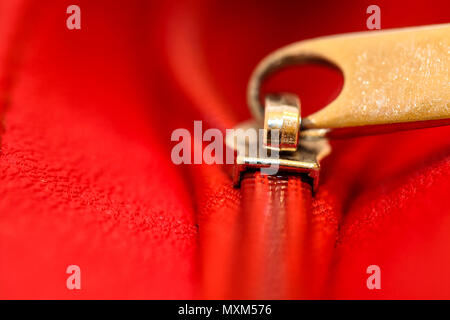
[(86, 176)]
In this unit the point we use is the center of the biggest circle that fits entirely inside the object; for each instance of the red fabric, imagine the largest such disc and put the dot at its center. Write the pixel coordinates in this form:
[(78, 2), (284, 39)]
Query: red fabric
[(85, 170)]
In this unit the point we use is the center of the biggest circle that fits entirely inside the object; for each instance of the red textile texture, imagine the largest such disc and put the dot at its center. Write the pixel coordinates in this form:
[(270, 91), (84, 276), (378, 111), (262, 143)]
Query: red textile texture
[(86, 176)]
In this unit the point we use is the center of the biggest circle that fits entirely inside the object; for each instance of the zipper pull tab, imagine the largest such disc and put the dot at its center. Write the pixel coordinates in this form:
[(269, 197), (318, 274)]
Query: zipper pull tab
[(393, 80)]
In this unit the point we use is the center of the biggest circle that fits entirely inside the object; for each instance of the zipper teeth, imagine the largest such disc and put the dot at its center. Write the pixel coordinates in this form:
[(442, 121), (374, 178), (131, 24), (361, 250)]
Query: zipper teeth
[(268, 250)]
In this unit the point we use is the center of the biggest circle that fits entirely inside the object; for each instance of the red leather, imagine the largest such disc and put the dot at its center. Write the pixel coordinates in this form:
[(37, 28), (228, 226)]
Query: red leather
[(86, 176)]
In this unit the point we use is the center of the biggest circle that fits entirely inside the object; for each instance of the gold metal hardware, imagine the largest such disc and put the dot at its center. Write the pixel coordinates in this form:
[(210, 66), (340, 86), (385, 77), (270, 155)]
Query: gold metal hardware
[(305, 159), (393, 80), (282, 122)]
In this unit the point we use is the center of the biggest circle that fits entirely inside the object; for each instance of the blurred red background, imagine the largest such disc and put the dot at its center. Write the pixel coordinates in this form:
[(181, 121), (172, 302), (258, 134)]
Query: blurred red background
[(85, 171)]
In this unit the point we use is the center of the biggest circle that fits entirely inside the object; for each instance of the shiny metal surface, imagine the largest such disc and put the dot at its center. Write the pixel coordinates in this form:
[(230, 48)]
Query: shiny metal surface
[(282, 122), (306, 159), (393, 80)]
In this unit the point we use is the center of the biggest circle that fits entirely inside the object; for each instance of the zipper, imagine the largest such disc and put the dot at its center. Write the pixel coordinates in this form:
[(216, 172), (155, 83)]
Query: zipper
[(394, 80)]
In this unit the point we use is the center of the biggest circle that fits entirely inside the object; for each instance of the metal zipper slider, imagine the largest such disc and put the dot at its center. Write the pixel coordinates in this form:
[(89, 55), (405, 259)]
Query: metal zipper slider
[(393, 80)]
